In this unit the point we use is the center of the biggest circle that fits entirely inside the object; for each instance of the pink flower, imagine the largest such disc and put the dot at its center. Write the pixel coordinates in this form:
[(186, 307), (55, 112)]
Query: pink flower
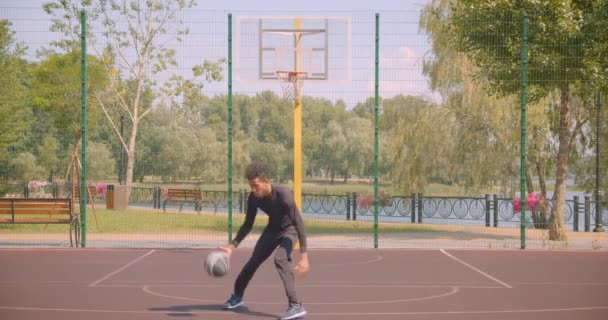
[(532, 201), (102, 189), (516, 205), (364, 200), (36, 184)]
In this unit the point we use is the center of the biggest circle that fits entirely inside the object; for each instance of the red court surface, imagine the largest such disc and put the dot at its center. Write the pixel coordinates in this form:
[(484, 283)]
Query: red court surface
[(343, 284)]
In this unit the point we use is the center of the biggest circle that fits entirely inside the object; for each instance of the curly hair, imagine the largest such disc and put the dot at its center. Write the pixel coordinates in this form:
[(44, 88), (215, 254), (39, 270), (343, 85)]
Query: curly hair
[(258, 170)]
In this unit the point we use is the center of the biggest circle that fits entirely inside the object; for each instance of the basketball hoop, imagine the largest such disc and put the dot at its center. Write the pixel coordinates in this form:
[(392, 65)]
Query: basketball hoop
[(291, 83)]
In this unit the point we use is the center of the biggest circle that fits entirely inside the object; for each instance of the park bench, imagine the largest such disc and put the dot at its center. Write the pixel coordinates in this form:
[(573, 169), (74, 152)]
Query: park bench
[(41, 211), (183, 196), (92, 192)]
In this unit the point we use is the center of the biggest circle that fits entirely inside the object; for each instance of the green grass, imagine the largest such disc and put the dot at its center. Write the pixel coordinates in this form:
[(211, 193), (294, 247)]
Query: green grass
[(155, 221)]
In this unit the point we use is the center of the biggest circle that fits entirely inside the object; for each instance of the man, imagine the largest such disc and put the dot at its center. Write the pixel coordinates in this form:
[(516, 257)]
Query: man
[(284, 228)]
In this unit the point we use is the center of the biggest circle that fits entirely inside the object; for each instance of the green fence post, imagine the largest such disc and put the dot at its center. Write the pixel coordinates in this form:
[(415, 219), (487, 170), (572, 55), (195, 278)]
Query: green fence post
[(488, 210), (355, 196), (83, 127), (413, 205), (376, 133), (348, 205), (587, 213), (495, 208), (229, 127), (575, 214), (599, 224), (524, 87), (598, 194), (420, 207)]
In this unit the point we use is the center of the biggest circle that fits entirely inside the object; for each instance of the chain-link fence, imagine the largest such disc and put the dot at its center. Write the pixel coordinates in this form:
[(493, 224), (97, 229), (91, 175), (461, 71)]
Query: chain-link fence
[(174, 93)]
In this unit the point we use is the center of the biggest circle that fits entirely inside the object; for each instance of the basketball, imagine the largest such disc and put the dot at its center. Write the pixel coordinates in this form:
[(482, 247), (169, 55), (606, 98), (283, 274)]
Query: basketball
[(216, 264)]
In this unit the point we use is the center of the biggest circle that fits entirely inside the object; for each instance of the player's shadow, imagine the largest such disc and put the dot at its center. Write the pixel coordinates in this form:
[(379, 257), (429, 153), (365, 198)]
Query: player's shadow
[(190, 310)]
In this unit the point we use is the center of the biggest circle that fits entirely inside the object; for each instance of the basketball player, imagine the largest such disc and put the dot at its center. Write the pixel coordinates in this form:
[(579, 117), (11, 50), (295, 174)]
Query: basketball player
[(285, 227)]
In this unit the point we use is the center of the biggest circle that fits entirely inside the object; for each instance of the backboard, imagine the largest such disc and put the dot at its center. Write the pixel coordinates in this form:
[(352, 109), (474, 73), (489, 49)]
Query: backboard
[(317, 45)]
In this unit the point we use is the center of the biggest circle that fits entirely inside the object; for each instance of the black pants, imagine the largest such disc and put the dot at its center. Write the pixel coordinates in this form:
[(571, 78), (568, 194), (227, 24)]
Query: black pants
[(267, 243)]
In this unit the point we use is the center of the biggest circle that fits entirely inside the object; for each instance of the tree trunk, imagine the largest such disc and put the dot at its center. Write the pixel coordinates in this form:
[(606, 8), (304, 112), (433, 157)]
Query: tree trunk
[(557, 230), (131, 158), (540, 169)]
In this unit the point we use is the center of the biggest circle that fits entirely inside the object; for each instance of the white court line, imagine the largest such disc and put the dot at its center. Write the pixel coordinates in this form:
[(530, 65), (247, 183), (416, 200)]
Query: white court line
[(299, 286), (364, 314), (454, 290), (121, 268), (456, 312), (479, 271), (376, 259)]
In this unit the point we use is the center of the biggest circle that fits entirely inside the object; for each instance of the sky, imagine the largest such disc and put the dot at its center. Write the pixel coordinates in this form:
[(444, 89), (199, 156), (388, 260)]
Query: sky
[(400, 60), (312, 5)]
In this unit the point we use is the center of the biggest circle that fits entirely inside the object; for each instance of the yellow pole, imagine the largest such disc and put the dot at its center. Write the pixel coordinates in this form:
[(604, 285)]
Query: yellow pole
[(297, 124), (297, 127)]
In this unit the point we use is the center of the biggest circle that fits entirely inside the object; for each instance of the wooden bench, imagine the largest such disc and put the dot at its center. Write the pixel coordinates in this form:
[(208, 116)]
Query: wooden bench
[(92, 192), (182, 196), (41, 211)]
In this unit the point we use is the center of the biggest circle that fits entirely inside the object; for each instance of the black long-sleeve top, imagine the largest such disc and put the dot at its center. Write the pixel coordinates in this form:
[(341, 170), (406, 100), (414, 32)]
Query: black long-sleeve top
[(282, 214)]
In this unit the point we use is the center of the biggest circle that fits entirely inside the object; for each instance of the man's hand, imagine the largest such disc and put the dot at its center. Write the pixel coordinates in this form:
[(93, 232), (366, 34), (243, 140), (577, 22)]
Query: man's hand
[(227, 250), (303, 266)]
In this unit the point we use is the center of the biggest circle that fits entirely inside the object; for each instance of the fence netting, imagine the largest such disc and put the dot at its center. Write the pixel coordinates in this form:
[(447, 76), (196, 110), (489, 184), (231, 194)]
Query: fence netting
[(174, 93)]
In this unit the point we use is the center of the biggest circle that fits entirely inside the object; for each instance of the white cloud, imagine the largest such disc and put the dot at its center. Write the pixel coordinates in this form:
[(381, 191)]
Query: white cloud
[(401, 73)]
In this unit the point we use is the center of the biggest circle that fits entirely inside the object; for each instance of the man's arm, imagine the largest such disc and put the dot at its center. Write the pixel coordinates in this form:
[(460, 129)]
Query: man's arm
[(245, 228), (296, 218)]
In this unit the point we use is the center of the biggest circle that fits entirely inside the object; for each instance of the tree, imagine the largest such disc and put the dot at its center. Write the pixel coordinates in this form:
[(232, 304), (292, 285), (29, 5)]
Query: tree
[(24, 167), (564, 46), (483, 135), (135, 46), (16, 117), (417, 147), (334, 147), (48, 154), (56, 90), (100, 163), (317, 114), (359, 148)]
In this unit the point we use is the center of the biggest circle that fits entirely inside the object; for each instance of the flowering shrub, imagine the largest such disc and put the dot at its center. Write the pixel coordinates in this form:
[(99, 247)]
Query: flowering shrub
[(12, 195), (532, 201), (36, 189), (102, 189), (538, 206), (365, 200)]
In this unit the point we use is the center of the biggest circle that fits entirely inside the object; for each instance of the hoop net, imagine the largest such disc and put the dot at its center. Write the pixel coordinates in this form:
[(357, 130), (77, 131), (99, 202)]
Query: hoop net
[(291, 83)]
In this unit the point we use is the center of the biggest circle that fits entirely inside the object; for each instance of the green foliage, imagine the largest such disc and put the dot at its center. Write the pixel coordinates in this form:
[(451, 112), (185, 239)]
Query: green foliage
[(15, 119), (130, 221), (100, 162), (564, 38), (48, 154), (151, 57), (565, 48), (56, 90), (24, 167)]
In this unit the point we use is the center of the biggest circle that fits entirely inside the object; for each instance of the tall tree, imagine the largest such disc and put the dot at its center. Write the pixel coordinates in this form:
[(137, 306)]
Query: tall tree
[(483, 135), (15, 116), (135, 46), (564, 45), (55, 89)]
